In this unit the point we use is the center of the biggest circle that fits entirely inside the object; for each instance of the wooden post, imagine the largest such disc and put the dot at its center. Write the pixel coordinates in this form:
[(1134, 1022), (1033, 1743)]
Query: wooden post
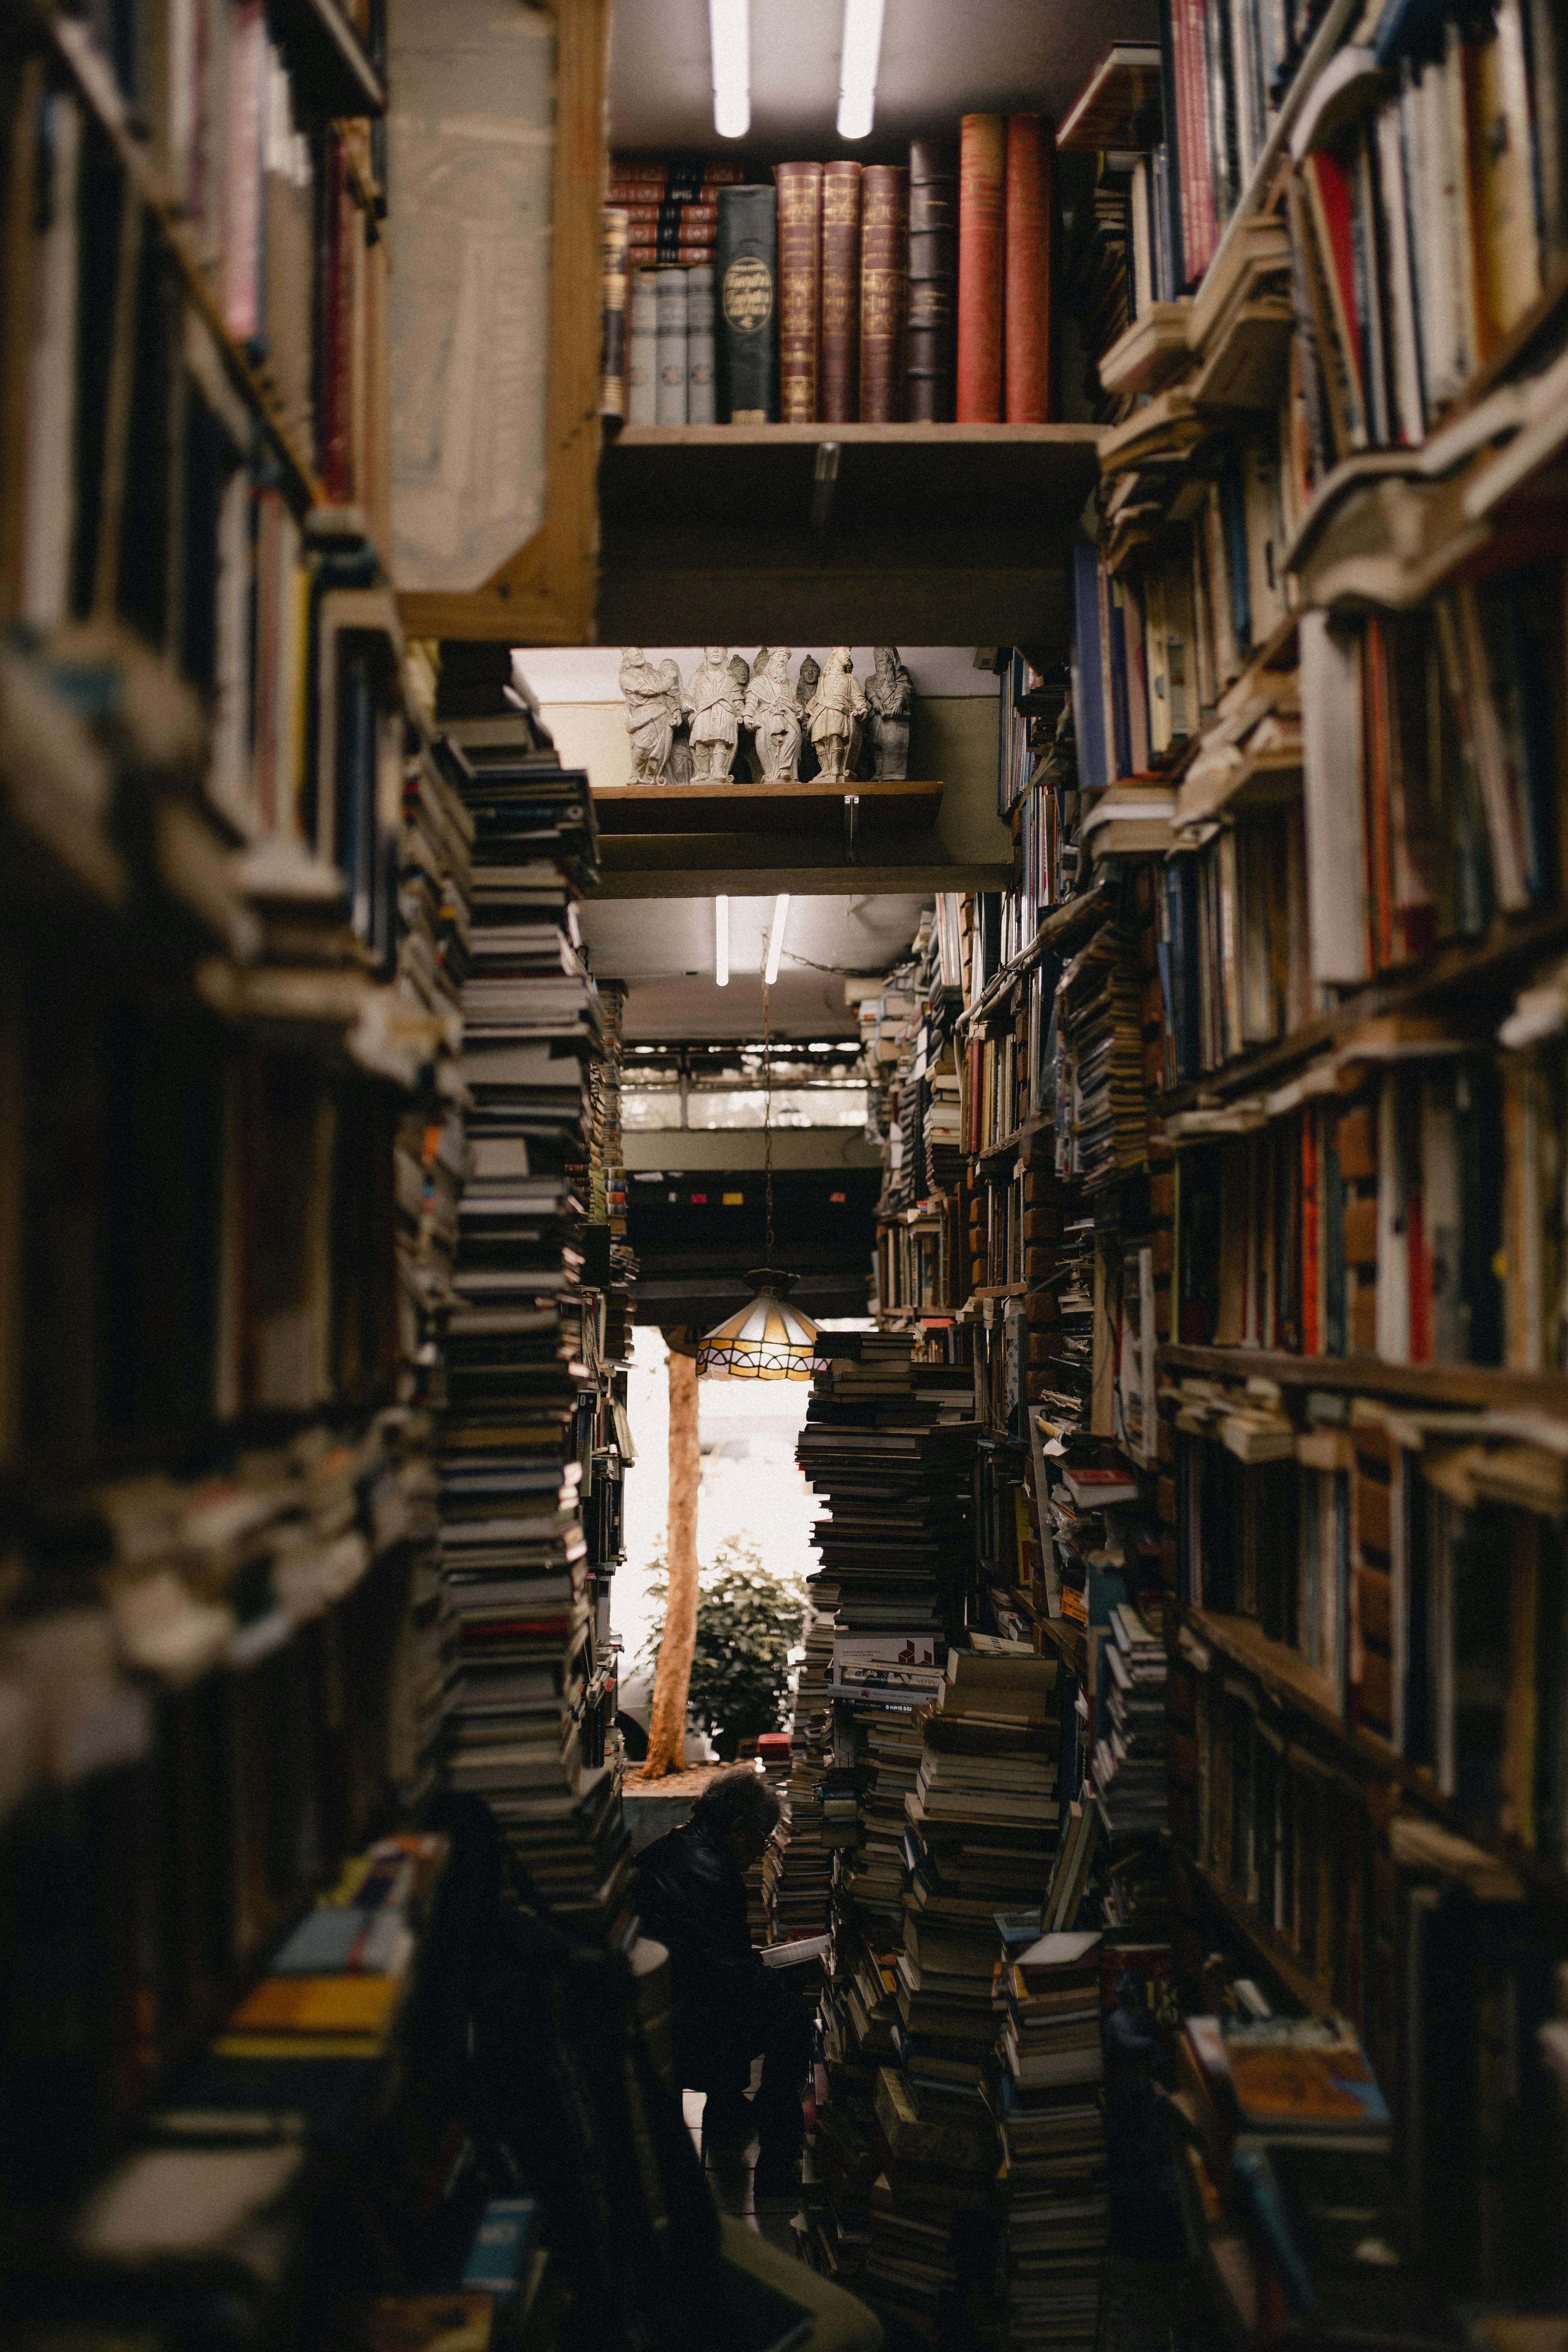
[(672, 1680)]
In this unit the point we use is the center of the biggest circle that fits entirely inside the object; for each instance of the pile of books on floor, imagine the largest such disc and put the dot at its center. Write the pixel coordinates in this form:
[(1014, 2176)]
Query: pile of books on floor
[(980, 1835), (513, 1546), (1044, 2093), (1130, 1769), (798, 1866)]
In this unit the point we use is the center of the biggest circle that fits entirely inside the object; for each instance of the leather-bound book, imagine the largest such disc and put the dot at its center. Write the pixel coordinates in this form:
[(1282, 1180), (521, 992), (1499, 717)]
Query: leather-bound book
[(933, 281), (839, 389), (745, 281), (884, 277), (800, 289), (981, 155), (1027, 303)]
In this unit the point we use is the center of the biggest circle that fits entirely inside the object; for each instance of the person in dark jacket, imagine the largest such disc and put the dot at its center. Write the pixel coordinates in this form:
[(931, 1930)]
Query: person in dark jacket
[(728, 2008)]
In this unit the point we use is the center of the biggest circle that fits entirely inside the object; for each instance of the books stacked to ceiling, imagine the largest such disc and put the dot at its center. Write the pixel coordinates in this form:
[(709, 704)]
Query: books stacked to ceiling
[(1101, 1110), (798, 1866), (512, 1543), (981, 1833), (894, 1474), (1045, 2096), (1130, 1770)]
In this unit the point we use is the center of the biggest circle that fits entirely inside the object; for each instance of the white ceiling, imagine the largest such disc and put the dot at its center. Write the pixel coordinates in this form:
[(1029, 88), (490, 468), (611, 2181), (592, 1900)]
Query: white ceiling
[(940, 60), (664, 949)]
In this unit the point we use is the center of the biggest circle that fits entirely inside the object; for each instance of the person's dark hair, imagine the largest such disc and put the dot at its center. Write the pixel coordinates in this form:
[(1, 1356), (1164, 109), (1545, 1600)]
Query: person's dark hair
[(743, 1796)]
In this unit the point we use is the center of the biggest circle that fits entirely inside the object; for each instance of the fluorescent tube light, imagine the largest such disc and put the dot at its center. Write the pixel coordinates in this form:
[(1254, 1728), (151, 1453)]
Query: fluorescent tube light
[(776, 938), (729, 39), (858, 60), (722, 941)]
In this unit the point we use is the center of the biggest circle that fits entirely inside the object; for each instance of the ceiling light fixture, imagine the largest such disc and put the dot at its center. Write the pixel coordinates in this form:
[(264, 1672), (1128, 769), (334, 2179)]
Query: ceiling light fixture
[(766, 1339), (858, 60), (776, 938), (722, 941), (729, 39)]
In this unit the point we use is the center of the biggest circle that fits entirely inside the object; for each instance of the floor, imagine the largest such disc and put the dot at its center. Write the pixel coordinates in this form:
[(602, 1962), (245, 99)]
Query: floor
[(730, 2182)]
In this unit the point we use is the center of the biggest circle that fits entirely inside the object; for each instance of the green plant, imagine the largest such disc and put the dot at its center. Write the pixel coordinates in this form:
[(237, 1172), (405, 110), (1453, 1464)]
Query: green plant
[(748, 1619)]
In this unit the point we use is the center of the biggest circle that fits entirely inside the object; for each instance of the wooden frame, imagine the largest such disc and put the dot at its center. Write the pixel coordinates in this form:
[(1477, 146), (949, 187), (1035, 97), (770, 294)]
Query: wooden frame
[(544, 594)]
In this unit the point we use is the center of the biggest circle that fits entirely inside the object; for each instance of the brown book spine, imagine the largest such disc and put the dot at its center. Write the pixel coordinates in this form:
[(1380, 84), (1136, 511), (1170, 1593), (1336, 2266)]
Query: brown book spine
[(982, 147), (884, 267), (933, 281), (1026, 305), (800, 289), (838, 402)]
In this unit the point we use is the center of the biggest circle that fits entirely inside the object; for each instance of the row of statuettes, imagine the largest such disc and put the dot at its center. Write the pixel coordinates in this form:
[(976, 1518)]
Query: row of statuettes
[(824, 718)]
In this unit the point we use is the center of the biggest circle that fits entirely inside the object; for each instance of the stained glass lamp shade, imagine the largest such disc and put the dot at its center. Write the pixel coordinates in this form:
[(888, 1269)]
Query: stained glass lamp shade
[(767, 1340)]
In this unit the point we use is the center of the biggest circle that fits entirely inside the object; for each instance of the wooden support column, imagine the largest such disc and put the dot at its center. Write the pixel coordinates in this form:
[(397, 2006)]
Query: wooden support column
[(672, 1680)]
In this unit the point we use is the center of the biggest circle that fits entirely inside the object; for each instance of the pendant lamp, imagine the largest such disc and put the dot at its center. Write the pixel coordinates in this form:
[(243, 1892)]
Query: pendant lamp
[(766, 1339)]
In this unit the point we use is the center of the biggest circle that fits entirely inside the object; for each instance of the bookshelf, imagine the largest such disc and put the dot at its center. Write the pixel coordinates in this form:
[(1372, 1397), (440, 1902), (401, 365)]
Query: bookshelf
[(864, 808)]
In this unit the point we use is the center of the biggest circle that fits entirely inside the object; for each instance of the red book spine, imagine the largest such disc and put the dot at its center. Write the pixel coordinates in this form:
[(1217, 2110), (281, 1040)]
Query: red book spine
[(1027, 309), (1191, 130), (884, 278), (980, 178)]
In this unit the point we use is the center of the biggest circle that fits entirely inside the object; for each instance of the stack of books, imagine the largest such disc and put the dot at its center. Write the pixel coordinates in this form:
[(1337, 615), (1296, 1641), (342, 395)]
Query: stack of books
[(513, 1544), (1102, 1109), (894, 1475), (1045, 2096), (1130, 1771)]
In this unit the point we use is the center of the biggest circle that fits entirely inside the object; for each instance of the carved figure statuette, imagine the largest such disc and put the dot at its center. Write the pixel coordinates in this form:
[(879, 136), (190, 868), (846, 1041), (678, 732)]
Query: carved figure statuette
[(716, 703), (650, 721), (836, 709), (772, 711), (889, 693)]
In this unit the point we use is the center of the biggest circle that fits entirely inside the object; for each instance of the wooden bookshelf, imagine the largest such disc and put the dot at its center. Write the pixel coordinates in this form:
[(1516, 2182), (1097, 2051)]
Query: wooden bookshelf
[(910, 533), (1480, 1387), (1276, 1956), (788, 808), (96, 85)]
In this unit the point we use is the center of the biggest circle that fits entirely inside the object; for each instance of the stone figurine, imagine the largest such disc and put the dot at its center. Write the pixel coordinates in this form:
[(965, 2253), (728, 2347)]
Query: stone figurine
[(716, 702), (772, 711), (650, 722), (837, 711), (889, 693), (679, 770), (805, 687)]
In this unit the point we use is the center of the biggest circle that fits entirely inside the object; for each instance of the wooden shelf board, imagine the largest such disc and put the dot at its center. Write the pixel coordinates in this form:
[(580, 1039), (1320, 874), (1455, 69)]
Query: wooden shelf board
[(1281, 1671), (1066, 438), (744, 807), (1276, 1954), (1474, 1385), (1492, 964)]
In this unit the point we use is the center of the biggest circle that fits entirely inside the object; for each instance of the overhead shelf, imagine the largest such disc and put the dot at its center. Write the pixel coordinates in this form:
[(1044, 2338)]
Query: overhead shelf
[(742, 807), (919, 534)]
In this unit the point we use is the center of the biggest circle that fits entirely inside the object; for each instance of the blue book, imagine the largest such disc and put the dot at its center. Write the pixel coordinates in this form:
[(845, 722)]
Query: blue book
[(502, 2243)]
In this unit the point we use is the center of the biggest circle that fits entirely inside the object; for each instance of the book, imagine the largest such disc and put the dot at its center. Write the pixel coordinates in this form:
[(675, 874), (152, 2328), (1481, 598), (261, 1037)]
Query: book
[(981, 168), (671, 318), (800, 235), (745, 269), (1026, 289), (839, 397), (884, 265), (642, 350), (932, 280), (614, 360), (701, 388)]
